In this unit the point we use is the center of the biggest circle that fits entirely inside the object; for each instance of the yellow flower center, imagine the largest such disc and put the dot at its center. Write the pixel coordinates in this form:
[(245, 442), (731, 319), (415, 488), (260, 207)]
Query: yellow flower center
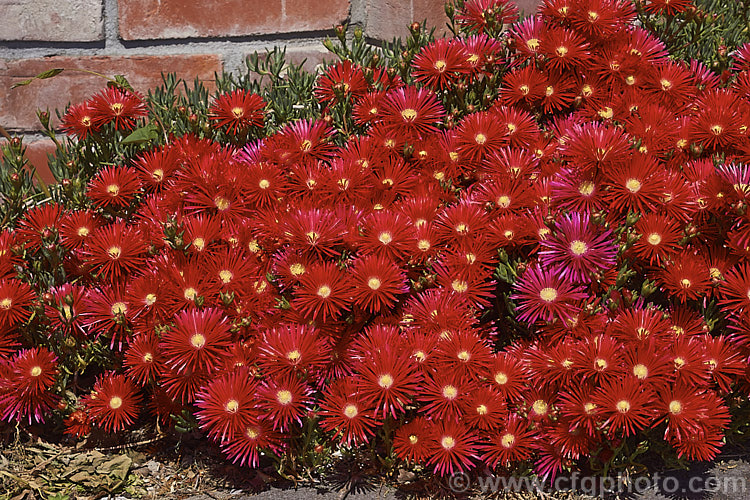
[(119, 308), (717, 129), (374, 283), (294, 355), (501, 378), (654, 239), (297, 269), (440, 65), (633, 185), (150, 299), (409, 114), (114, 252), (115, 402), (548, 294), (578, 247), (83, 231), (6, 303), (198, 340), (640, 371), (508, 440), (447, 442), (385, 237), (480, 138), (284, 397), (675, 407), (238, 112), (623, 406), (225, 275), (324, 291), (459, 286), (36, 371), (350, 411), (221, 203), (232, 406), (385, 381), (190, 293), (450, 392), (540, 407)]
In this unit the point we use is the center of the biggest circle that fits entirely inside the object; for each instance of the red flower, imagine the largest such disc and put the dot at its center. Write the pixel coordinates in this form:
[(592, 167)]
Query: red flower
[(79, 120), (442, 395), (25, 385), (717, 119), (376, 282), (625, 406), (65, 308), (413, 441), (115, 251), (637, 185), (114, 402), (238, 111), (388, 381), (659, 239), (157, 168), (114, 105), (15, 300), (76, 227), (667, 7), (114, 187), (441, 64), (304, 141), (243, 448), (685, 279), (578, 407), (291, 348), (344, 411), (512, 443), (413, 113), (564, 49), (544, 295), (578, 248), (323, 292), (198, 341), (285, 400), (508, 376), (454, 448), (39, 225), (340, 82), (484, 409), (143, 361), (227, 405), (314, 232), (479, 15)]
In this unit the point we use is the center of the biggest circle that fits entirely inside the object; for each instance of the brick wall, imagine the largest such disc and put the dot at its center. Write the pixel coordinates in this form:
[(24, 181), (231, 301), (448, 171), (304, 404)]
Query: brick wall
[(142, 38)]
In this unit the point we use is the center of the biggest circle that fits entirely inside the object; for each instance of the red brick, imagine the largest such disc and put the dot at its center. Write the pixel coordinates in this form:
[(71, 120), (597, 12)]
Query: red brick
[(528, 7), (434, 12), (36, 153), (387, 19), (52, 20), (18, 106), (146, 19)]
